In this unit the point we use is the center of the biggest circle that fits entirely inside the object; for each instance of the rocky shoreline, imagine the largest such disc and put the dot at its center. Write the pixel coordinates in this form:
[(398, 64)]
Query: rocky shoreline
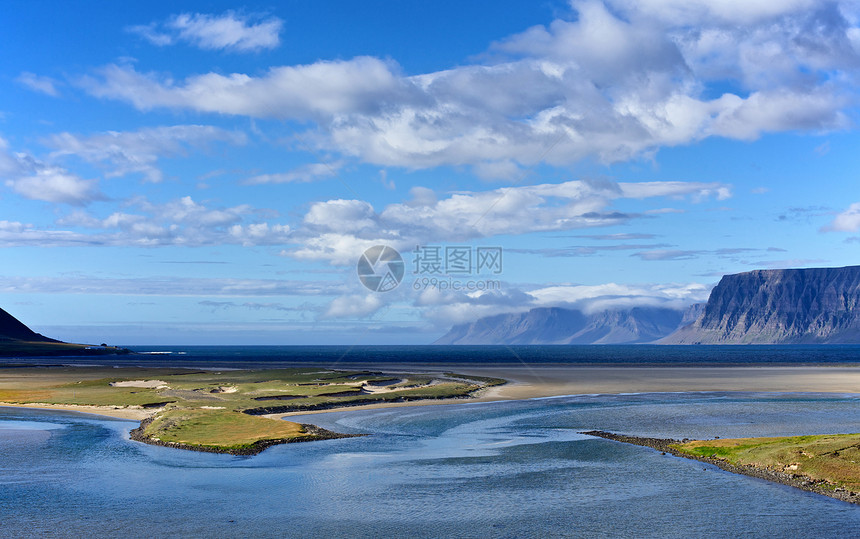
[(315, 433), (664, 445)]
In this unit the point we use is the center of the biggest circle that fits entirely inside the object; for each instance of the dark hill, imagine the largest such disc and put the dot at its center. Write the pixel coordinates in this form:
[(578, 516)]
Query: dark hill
[(12, 330), (17, 340)]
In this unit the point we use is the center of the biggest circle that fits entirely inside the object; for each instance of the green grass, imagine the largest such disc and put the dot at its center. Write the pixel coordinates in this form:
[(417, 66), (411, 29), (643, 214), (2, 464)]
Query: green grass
[(185, 420), (219, 429), (833, 458)]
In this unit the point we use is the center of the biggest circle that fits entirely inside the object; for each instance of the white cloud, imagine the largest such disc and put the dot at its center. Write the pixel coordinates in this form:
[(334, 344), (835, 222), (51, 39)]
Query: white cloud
[(229, 31), (614, 83), (45, 85), (36, 180), (341, 216), (302, 174), (498, 170), (318, 90), (339, 230), (354, 306), (260, 234), (165, 285), (52, 184), (667, 254), (535, 208), (341, 249), (14, 233), (178, 222), (741, 12), (846, 221), (128, 152)]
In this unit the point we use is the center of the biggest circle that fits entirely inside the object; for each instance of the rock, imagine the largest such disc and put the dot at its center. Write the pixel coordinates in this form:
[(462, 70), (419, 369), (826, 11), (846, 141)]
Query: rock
[(791, 306)]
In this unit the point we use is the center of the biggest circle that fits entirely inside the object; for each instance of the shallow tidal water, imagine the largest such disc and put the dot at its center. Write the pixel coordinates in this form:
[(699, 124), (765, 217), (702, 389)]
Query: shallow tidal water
[(511, 469)]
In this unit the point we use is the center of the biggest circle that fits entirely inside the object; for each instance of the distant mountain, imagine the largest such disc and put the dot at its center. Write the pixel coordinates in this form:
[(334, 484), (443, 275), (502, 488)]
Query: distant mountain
[(791, 306), (12, 330), (555, 325)]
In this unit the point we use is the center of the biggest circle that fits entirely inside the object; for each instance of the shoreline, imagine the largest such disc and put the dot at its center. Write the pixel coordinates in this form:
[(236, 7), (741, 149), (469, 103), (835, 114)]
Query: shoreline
[(128, 413), (664, 445)]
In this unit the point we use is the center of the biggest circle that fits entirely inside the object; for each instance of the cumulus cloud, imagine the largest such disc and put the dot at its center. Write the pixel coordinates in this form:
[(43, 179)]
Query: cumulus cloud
[(341, 249), (128, 152), (338, 231), (846, 221), (37, 180), (183, 221), (320, 90), (619, 80), (229, 31), (52, 184)]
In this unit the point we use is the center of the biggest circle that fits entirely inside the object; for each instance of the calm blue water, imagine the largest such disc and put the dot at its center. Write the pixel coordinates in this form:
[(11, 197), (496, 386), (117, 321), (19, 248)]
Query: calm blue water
[(513, 469), (273, 356)]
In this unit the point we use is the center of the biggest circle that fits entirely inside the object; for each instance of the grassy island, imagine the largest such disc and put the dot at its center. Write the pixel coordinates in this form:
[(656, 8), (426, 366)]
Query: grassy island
[(224, 411)]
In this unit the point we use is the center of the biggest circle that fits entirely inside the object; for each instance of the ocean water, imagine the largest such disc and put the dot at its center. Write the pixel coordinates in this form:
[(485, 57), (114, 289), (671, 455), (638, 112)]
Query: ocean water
[(334, 356), (511, 469)]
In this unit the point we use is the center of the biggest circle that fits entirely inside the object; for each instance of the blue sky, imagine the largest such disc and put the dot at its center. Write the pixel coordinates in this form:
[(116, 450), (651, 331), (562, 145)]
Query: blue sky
[(211, 173)]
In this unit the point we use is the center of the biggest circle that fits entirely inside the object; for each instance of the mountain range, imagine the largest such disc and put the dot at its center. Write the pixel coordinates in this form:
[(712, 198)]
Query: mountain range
[(556, 325), (788, 306)]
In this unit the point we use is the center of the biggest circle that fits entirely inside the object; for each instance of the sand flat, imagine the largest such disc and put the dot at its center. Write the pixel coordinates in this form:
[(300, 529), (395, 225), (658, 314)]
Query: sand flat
[(534, 381), (530, 382)]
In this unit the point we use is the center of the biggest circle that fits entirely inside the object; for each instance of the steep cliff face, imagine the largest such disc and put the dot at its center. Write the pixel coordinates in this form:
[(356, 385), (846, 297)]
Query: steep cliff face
[(554, 325), (794, 306), (12, 330)]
